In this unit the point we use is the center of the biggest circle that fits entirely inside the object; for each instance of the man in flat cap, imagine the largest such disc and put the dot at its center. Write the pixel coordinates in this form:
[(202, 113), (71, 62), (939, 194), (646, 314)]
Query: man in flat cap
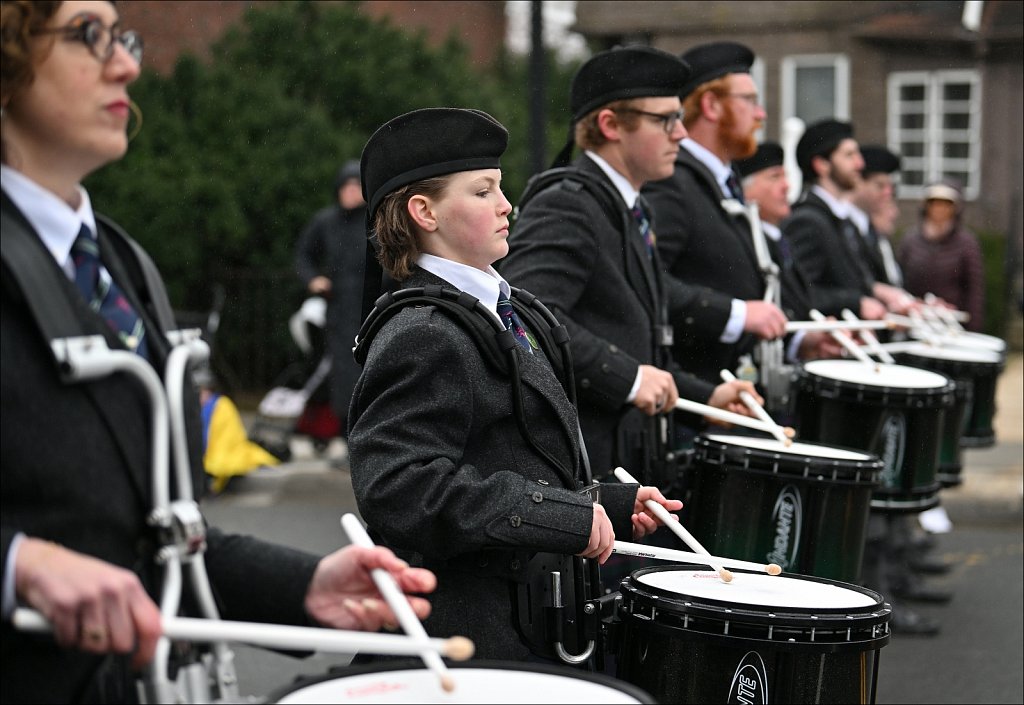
[(825, 241), (583, 243), (700, 242)]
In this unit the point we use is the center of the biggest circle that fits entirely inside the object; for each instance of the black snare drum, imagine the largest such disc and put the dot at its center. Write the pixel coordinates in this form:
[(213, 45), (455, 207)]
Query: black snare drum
[(893, 411), (688, 637), (968, 422), (804, 507), (475, 682)]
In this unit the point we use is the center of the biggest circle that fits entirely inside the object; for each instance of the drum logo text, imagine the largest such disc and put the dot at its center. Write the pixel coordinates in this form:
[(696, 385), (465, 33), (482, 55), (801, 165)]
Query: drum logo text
[(893, 442), (787, 514), (750, 682)]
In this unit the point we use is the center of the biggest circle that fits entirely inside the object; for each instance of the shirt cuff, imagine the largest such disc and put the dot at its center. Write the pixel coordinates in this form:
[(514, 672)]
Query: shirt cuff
[(734, 326), (636, 387), (793, 349), (10, 597)]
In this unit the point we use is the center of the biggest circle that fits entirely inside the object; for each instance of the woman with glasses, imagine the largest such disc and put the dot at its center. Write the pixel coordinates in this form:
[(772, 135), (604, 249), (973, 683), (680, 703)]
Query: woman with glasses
[(75, 457)]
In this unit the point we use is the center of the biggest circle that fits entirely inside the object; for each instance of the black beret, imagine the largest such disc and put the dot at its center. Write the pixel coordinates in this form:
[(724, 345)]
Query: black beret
[(426, 143), (710, 61), (820, 140), (348, 171), (879, 160), (625, 72), (768, 154)]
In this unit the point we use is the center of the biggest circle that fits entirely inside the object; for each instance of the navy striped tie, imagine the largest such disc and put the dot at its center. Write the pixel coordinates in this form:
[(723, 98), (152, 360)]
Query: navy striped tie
[(512, 322), (104, 295)]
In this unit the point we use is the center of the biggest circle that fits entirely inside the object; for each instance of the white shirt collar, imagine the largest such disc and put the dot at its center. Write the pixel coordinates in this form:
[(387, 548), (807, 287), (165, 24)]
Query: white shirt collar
[(621, 183), (860, 219), (720, 170), (483, 285), (840, 209), (771, 231), (55, 221)]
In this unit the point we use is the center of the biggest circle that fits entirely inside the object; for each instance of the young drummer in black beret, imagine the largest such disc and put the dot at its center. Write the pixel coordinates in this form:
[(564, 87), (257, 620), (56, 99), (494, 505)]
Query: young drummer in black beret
[(441, 467)]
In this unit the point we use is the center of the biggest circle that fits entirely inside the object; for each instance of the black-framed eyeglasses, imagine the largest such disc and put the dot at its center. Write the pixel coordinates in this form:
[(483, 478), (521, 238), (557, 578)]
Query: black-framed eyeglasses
[(99, 38), (668, 120)]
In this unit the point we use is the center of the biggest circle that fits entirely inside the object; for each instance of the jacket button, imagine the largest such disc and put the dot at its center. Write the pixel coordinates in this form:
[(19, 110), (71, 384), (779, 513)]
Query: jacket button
[(689, 320), (543, 482), (613, 348), (514, 565), (585, 383), (515, 521), (606, 368), (537, 497)]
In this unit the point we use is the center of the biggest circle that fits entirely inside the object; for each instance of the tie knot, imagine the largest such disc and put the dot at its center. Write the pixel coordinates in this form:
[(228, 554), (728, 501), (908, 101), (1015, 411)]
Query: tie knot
[(85, 243)]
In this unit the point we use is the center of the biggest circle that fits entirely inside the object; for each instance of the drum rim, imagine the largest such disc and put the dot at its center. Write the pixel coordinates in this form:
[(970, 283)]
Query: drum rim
[(790, 465), (792, 617), (841, 390), (413, 664), (987, 367)]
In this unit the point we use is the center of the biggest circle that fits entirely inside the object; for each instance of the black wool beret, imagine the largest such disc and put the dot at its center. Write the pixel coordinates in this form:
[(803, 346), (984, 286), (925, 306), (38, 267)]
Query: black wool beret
[(768, 154), (820, 140), (710, 61), (625, 72), (426, 143), (879, 160)]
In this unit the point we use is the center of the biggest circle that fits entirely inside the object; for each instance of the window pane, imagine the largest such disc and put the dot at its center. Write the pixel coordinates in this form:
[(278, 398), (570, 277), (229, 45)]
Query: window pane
[(961, 177), (908, 92), (956, 91), (912, 178), (912, 121), (956, 121), (815, 93), (956, 150), (912, 149)]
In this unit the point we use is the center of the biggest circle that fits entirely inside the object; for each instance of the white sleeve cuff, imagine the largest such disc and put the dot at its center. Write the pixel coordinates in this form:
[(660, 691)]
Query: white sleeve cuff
[(734, 326), (636, 387)]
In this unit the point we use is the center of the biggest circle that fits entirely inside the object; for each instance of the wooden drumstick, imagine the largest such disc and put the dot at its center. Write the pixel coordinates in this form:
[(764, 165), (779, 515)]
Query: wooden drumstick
[(674, 526), (773, 428), (280, 636), (671, 554), (695, 407), (393, 595), (843, 340), (826, 326), (869, 338)]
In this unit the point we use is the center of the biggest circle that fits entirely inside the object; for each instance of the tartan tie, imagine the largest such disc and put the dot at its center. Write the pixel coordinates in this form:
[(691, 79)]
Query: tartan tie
[(734, 187), (512, 322), (103, 295), (646, 232)]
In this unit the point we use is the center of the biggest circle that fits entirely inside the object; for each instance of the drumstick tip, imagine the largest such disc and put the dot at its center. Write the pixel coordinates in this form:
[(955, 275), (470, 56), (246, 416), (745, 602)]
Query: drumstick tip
[(459, 648), (447, 683), (773, 569), (725, 575)]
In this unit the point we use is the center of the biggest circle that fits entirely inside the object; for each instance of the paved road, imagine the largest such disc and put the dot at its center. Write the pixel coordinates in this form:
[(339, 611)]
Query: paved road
[(976, 659)]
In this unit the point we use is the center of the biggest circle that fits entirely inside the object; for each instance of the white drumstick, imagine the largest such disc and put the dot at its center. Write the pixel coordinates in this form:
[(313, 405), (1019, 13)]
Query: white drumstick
[(673, 525), (944, 313), (794, 326), (869, 338), (773, 428), (280, 636), (393, 595), (670, 554), (695, 407), (843, 340)]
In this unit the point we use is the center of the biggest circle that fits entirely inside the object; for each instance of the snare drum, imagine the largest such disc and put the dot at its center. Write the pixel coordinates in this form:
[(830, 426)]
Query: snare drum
[(969, 422), (688, 637), (475, 682), (804, 507), (893, 411)]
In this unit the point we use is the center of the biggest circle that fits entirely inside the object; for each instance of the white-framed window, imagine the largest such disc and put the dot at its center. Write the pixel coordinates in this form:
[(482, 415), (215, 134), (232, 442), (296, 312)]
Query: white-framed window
[(934, 123), (815, 87), (757, 74)]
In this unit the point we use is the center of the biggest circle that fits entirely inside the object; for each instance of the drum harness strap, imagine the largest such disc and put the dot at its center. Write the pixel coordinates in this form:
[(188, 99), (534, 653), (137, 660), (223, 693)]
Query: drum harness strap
[(544, 630)]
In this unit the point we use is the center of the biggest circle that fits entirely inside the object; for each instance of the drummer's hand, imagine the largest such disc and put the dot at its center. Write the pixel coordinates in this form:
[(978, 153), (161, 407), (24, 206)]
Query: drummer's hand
[(602, 536), (818, 345), (657, 393), (871, 309), (765, 320), (644, 521), (343, 595), (727, 397), (93, 605)]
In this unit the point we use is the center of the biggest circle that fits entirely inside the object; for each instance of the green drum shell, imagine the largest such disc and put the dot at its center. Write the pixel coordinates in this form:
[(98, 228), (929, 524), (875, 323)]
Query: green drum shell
[(683, 649), (806, 513), (869, 417)]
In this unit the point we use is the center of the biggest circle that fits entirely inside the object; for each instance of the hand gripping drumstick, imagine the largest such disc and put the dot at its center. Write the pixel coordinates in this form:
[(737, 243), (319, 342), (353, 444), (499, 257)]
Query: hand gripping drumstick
[(869, 338), (677, 528), (850, 346), (396, 601), (695, 407), (670, 554), (773, 428), (279, 636)]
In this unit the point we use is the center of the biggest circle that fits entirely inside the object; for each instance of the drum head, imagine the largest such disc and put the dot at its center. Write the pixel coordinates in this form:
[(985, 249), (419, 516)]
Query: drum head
[(813, 450), (882, 375), (758, 590), (953, 354), (478, 682)]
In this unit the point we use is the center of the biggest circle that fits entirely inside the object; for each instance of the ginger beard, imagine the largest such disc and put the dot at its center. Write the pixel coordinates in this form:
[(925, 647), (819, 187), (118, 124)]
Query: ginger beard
[(738, 146)]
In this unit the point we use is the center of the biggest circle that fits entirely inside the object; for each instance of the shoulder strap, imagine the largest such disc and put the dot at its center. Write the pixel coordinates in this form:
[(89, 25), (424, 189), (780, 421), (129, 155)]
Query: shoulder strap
[(574, 179)]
